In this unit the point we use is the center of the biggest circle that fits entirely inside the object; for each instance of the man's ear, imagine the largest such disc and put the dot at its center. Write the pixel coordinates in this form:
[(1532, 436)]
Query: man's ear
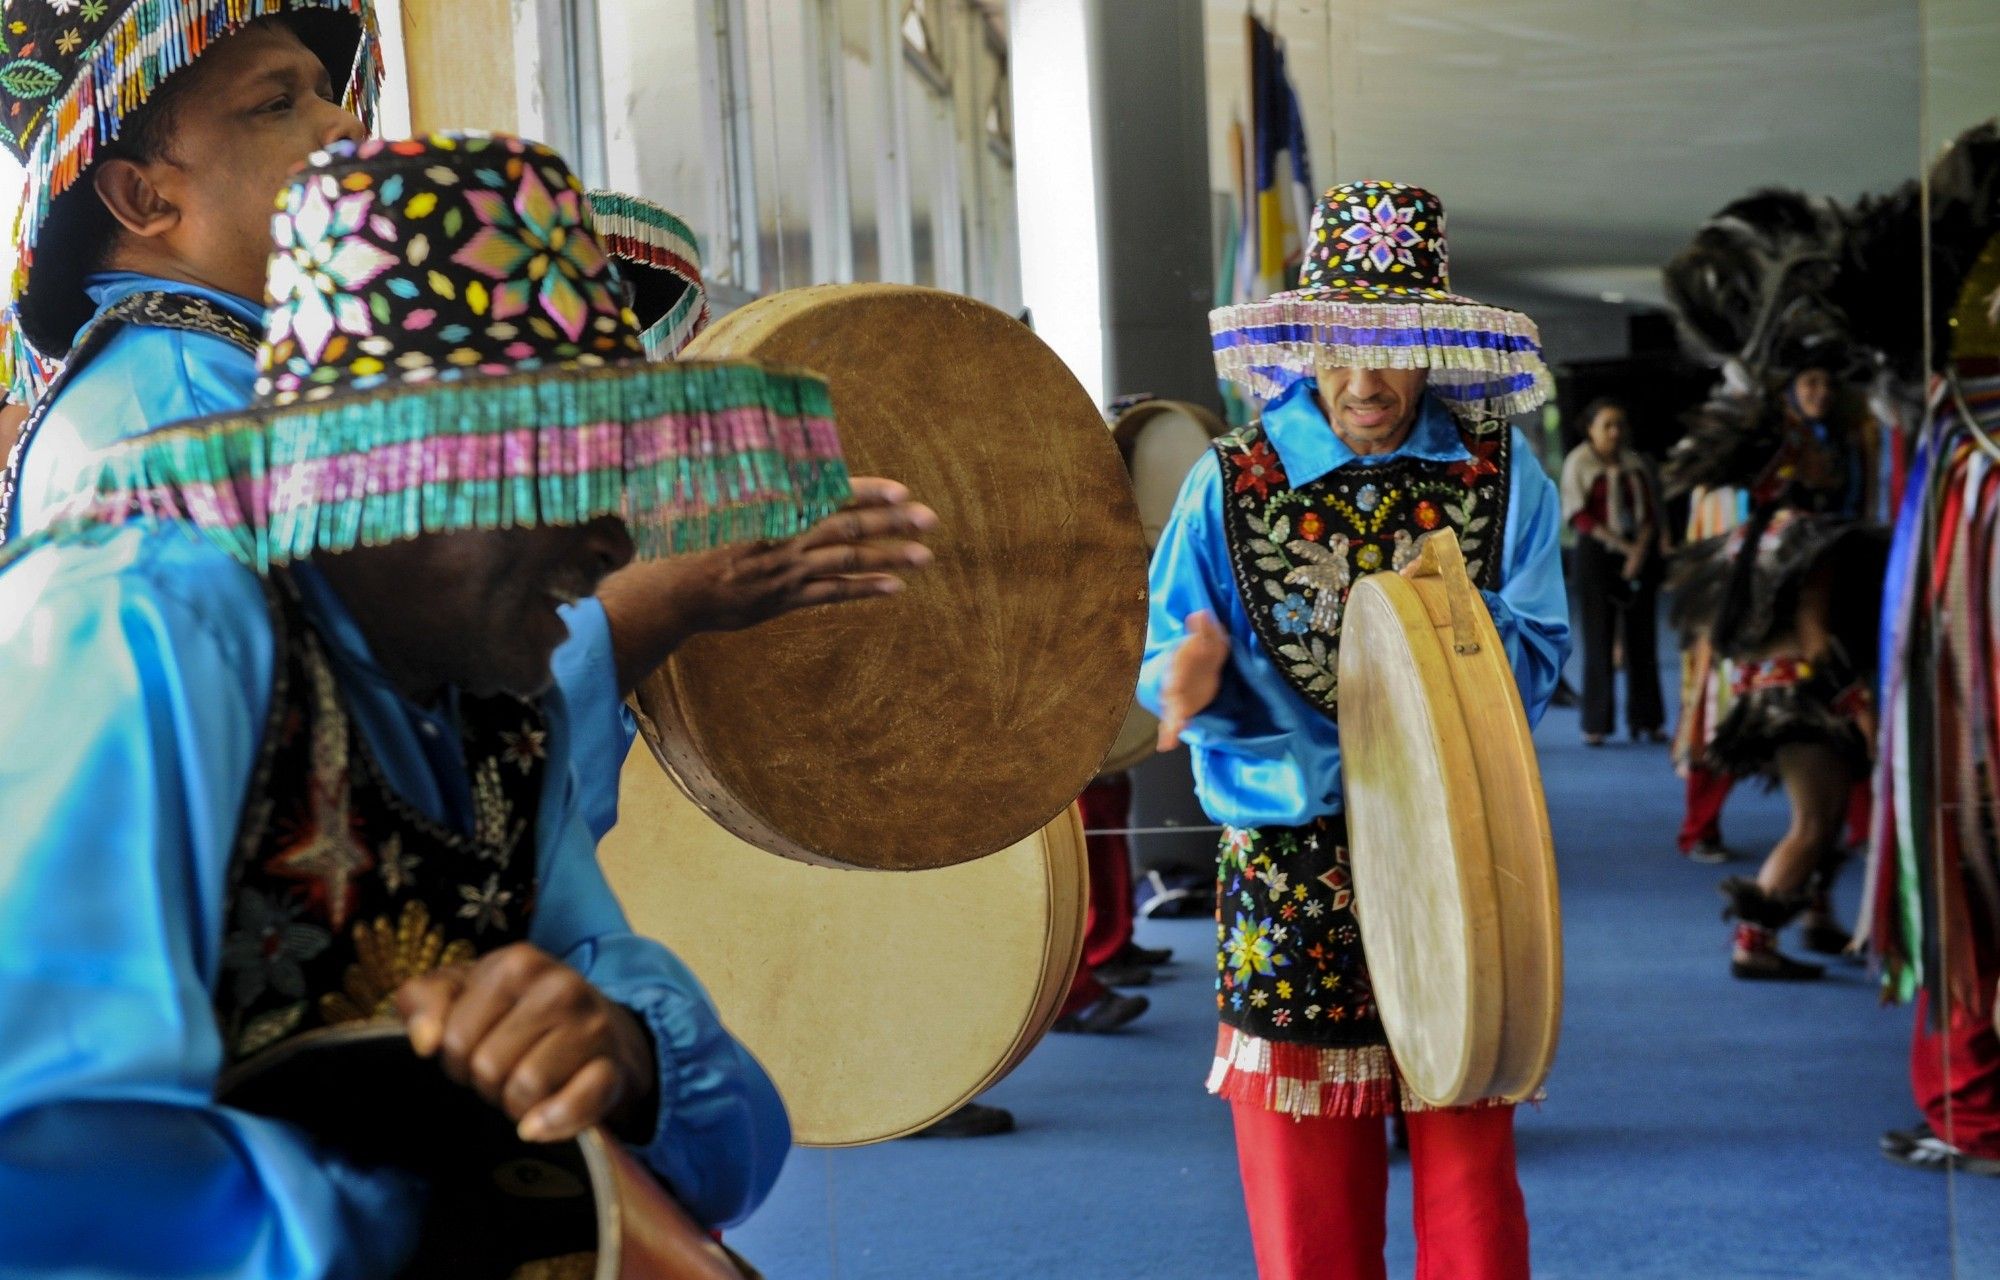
[(128, 192)]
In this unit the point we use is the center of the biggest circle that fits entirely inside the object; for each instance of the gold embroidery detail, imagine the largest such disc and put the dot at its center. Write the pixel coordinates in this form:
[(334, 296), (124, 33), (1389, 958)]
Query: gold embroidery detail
[(388, 955)]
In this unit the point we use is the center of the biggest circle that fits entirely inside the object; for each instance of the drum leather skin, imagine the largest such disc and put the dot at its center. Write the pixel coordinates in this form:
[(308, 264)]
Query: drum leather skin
[(1160, 440), (502, 1209), (879, 1001), (1453, 860), (962, 715)]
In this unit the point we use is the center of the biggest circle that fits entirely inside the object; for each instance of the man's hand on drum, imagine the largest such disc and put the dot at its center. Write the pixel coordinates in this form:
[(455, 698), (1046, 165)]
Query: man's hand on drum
[(860, 552), (538, 1041), (1194, 676)]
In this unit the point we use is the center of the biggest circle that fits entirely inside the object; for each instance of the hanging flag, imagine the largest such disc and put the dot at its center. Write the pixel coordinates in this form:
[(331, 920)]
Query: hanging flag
[(1279, 190)]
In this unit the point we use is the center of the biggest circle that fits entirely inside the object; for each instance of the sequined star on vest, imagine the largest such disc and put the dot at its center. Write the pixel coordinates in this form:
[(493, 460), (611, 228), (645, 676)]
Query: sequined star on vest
[(1297, 552), (339, 889)]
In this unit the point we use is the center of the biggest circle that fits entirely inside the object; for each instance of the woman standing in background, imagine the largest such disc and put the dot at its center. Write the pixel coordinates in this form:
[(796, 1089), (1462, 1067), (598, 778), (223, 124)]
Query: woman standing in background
[(1610, 499)]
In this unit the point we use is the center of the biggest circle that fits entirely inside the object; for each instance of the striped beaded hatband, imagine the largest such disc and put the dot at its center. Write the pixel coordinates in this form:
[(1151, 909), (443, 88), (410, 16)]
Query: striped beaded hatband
[(72, 74), (1375, 293), (657, 254), (447, 348)]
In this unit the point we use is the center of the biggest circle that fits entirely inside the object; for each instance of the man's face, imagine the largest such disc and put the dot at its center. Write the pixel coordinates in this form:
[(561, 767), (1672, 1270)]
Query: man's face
[(1372, 410), (1813, 390), (476, 610), (263, 104)]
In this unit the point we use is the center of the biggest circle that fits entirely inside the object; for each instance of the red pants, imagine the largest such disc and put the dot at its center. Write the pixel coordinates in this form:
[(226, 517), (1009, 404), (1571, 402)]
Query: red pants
[(1317, 1191), (1970, 1083), (1703, 819), (1106, 802)]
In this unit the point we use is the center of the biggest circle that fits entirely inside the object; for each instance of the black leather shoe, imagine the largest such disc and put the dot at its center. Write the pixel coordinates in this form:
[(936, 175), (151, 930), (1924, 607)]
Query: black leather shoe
[(1899, 1140), (1770, 966), (1108, 1014), (973, 1120), (1826, 938), (1133, 953), (1935, 1153), (1120, 974)]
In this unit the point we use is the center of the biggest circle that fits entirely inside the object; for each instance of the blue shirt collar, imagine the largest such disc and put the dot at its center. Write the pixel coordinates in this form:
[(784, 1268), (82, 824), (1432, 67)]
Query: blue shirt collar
[(108, 287), (1306, 443)]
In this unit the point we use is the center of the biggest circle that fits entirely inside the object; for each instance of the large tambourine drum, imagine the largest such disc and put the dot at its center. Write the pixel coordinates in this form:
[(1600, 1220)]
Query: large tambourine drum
[(1448, 834), (497, 1208), (879, 1001), (1160, 441), (963, 715)]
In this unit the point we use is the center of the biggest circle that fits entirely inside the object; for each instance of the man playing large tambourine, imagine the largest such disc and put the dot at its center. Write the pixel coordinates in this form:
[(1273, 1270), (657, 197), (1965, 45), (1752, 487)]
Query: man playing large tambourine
[(1383, 394)]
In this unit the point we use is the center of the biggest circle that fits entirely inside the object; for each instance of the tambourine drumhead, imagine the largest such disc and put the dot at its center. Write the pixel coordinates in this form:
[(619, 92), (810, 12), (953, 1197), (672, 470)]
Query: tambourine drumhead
[(1448, 832), (878, 1001), (1160, 440), (961, 716)]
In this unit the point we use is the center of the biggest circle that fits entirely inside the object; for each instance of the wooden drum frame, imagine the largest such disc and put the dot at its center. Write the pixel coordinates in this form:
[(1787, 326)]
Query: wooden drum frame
[(1448, 835)]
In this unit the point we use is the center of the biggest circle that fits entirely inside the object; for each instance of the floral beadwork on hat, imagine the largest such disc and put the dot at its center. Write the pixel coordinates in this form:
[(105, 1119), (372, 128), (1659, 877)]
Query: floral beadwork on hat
[(658, 256), (1375, 239), (1375, 292), (72, 72), (447, 349), (438, 258)]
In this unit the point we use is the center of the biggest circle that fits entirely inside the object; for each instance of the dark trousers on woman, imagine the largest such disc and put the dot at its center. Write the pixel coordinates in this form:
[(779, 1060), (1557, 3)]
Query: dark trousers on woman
[(1609, 607)]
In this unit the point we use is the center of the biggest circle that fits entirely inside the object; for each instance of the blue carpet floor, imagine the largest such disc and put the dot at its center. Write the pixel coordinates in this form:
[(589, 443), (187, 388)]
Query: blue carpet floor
[(1696, 1127)]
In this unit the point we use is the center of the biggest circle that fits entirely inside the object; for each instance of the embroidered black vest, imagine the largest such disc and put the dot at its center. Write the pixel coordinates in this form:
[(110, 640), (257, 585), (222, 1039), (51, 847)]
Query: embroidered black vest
[(1297, 552), (339, 889), (152, 309)]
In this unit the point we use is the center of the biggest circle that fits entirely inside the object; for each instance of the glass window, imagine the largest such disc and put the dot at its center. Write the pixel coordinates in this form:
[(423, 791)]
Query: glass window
[(656, 135), (781, 141), (863, 131)]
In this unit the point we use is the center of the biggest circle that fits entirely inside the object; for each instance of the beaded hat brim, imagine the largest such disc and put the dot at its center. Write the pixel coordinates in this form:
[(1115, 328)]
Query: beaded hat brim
[(658, 254), (690, 455), (1484, 359)]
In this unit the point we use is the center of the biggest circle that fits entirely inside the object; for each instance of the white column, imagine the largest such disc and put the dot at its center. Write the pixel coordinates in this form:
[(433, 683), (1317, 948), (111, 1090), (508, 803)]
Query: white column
[(1055, 182)]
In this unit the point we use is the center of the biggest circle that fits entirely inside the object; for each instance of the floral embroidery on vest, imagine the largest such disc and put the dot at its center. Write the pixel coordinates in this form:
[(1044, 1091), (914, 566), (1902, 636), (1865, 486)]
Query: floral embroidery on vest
[(339, 890), (1297, 552)]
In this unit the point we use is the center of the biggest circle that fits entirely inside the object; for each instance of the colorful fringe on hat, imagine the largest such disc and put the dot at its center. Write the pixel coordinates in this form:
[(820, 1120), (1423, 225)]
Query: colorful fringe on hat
[(1374, 293), (690, 456), (658, 253), (71, 75)]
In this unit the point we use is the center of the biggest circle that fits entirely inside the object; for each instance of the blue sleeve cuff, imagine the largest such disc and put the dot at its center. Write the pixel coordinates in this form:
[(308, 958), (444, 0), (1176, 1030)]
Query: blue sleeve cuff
[(721, 1134)]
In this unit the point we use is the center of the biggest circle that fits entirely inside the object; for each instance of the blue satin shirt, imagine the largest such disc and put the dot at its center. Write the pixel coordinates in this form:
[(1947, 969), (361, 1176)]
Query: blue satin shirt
[(136, 668), (1263, 755)]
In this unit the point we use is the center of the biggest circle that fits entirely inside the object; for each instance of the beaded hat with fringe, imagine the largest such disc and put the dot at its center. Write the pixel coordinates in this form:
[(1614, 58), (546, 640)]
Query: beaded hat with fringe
[(447, 349), (658, 256), (72, 73), (1375, 293)]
